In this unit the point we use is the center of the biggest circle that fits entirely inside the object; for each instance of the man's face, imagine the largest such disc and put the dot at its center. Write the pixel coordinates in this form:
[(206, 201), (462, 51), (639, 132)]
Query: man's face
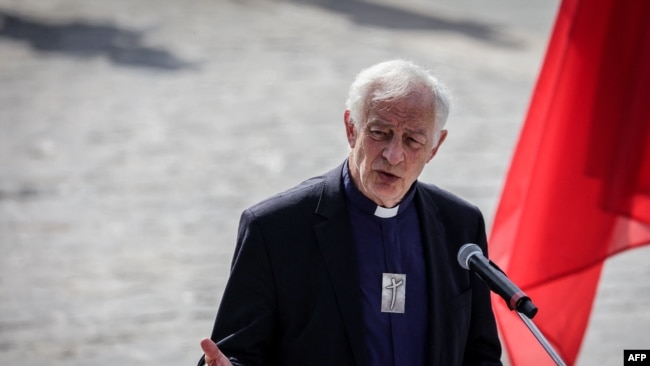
[(391, 146)]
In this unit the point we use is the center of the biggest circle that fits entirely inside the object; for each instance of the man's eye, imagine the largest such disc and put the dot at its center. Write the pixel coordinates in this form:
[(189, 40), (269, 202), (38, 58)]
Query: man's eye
[(377, 133), (414, 142)]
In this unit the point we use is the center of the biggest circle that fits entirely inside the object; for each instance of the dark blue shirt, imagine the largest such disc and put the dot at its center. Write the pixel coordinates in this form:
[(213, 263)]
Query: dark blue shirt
[(390, 244)]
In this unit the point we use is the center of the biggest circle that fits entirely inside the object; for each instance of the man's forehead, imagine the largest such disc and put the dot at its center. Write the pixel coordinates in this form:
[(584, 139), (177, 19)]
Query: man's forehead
[(414, 95), (421, 118), (411, 105)]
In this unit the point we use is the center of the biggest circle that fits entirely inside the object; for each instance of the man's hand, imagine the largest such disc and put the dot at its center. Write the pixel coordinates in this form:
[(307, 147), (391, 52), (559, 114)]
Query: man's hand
[(213, 357)]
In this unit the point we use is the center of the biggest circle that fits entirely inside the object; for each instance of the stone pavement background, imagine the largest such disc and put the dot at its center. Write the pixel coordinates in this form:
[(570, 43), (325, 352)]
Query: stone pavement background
[(133, 133)]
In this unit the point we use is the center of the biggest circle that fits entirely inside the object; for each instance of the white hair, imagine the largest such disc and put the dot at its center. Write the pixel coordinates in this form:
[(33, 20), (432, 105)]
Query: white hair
[(393, 80)]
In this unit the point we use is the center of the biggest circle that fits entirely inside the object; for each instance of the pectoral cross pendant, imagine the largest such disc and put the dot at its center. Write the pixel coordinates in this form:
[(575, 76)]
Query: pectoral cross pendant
[(393, 293)]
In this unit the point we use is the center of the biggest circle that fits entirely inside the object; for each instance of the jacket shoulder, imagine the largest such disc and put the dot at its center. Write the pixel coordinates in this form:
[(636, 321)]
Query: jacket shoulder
[(299, 195), (303, 198), (445, 200)]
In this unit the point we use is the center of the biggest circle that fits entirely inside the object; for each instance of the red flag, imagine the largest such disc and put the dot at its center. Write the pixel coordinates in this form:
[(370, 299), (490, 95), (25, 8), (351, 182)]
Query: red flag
[(578, 189)]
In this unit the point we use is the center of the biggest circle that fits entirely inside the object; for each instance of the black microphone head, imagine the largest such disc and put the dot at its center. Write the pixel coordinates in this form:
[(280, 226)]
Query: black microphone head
[(467, 251)]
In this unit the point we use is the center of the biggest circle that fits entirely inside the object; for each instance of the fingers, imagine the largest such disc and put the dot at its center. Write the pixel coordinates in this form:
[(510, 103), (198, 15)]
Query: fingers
[(213, 356)]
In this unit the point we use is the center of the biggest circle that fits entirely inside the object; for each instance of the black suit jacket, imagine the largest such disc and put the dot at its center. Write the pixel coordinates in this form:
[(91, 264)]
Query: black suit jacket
[(293, 295)]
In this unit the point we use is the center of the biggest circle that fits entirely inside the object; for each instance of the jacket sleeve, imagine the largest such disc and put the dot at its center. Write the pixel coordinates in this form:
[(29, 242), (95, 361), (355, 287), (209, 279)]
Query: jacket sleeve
[(246, 321)]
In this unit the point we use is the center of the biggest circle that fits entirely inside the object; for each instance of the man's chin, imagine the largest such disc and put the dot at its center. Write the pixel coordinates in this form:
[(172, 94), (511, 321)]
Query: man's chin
[(387, 198)]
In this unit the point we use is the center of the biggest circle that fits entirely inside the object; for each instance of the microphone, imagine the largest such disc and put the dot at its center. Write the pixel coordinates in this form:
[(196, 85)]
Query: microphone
[(470, 257)]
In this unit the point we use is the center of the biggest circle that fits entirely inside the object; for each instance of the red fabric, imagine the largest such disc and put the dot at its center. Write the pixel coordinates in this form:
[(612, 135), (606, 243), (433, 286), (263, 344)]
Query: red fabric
[(578, 189)]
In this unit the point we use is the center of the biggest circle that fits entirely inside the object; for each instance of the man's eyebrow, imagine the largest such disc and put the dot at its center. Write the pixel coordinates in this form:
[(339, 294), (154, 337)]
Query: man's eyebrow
[(377, 122), (416, 131)]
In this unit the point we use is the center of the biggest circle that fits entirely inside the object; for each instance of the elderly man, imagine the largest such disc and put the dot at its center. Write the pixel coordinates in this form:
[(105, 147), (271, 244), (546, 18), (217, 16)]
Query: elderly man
[(358, 266)]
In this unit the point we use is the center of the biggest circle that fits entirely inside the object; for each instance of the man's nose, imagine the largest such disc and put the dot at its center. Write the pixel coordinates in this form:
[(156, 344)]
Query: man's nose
[(394, 151)]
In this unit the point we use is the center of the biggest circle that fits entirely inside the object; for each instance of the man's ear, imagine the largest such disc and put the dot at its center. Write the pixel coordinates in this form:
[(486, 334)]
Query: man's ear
[(350, 128), (441, 139)]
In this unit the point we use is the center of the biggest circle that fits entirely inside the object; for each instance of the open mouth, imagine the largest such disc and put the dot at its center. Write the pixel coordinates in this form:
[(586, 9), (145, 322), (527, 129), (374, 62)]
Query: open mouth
[(387, 177)]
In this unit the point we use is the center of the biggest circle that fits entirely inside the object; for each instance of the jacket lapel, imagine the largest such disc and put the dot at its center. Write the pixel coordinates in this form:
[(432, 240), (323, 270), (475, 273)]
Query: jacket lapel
[(334, 236), (436, 253)]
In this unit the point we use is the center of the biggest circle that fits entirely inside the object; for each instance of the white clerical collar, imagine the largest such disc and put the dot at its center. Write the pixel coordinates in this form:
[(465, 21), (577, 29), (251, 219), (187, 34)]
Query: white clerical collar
[(386, 213)]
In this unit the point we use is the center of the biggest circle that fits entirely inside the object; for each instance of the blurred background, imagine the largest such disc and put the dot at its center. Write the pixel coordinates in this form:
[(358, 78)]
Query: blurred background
[(134, 132)]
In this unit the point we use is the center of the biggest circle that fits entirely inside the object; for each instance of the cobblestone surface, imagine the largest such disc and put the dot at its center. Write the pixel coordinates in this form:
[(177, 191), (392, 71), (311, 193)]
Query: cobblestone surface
[(133, 133)]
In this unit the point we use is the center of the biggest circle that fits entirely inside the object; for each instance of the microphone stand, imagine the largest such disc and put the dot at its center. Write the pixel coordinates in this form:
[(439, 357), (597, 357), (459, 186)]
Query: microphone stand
[(470, 257), (542, 340)]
